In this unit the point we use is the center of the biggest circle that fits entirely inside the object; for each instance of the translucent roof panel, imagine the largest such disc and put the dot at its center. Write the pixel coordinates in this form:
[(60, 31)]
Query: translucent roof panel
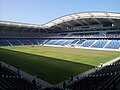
[(66, 18), (99, 14), (83, 15), (114, 14)]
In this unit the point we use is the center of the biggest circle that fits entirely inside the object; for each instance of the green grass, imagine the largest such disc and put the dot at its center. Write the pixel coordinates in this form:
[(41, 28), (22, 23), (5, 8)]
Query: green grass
[(54, 64)]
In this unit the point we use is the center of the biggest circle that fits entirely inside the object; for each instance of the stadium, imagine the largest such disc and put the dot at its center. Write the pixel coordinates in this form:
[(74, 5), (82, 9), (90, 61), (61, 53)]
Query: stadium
[(79, 51)]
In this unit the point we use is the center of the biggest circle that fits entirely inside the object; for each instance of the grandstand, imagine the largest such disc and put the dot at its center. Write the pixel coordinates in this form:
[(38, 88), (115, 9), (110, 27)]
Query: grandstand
[(87, 30), (10, 80), (108, 78), (90, 29)]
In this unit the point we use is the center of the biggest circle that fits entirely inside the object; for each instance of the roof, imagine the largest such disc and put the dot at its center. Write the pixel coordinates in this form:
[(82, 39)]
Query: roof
[(83, 18), (19, 24), (72, 20)]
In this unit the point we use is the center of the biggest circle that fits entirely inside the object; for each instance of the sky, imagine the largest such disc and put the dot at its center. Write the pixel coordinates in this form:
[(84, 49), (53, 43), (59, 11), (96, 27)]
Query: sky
[(43, 11)]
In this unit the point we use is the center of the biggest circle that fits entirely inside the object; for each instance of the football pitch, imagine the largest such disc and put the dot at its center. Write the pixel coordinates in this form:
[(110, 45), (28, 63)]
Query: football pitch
[(54, 64)]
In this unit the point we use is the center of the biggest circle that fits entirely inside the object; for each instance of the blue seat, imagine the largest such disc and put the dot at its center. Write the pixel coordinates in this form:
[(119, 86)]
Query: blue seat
[(15, 42), (25, 42), (88, 43), (4, 43), (114, 44), (100, 44), (80, 42)]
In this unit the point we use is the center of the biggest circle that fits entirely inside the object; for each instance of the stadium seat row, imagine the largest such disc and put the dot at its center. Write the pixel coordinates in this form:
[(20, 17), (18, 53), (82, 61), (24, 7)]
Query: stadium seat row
[(92, 43)]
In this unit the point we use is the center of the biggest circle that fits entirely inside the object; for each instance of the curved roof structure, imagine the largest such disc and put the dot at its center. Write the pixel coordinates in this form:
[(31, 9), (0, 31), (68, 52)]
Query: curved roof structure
[(69, 21), (8, 23), (83, 18)]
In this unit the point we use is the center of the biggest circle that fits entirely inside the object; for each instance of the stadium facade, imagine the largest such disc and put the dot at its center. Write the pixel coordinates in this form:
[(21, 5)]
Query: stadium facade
[(96, 30)]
